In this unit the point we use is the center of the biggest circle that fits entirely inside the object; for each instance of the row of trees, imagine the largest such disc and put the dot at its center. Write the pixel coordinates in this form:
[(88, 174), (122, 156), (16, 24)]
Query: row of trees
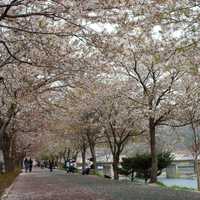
[(104, 114), (31, 60), (116, 70)]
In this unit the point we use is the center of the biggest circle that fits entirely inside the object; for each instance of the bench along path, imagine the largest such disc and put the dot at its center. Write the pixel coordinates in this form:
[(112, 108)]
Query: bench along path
[(43, 185)]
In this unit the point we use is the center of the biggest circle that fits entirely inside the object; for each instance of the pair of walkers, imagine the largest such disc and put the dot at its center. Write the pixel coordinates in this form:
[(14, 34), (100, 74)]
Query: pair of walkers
[(28, 164)]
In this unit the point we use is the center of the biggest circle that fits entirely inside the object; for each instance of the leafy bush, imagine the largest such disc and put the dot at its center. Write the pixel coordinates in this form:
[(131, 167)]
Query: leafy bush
[(141, 165)]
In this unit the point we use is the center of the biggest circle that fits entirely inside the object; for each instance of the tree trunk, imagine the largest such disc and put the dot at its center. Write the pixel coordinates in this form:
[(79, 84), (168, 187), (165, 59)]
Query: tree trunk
[(154, 162), (91, 143), (197, 172), (9, 165), (75, 155), (68, 153), (8, 148), (94, 160), (5, 124), (60, 157), (132, 175), (115, 167), (9, 162), (83, 154), (196, 153)]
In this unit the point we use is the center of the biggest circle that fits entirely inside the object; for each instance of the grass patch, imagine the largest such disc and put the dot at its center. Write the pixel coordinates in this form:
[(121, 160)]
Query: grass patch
[(98, 174), (161, 184), (175, 187), (7, 179)]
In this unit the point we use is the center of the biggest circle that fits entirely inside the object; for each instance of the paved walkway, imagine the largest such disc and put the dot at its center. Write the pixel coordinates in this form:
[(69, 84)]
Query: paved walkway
[(43, 185)]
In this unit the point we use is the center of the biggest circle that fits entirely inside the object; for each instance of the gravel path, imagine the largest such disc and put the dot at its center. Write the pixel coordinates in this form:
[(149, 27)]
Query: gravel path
[(43, 185)]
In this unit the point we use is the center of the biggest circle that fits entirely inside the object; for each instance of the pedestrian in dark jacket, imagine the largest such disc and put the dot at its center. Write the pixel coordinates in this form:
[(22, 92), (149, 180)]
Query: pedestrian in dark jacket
[(30, 165), (51, 165), (26, 164)]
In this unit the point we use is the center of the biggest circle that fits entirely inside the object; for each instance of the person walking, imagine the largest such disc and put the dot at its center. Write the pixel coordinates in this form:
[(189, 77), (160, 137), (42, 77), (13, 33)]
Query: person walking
[(26, 164), (42, 164), (30, 165), (51, 165)]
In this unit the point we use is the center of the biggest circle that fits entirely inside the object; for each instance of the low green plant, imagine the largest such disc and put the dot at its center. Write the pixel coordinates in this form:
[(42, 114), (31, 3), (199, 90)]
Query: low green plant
[(161, 184), (6, 179), (175, 187), (98, 174), (140, 165)]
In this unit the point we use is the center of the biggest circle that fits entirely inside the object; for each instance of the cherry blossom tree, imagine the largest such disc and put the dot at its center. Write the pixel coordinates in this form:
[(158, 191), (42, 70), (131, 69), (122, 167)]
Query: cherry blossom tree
[(188, 115), (142, 50), (118, 124)]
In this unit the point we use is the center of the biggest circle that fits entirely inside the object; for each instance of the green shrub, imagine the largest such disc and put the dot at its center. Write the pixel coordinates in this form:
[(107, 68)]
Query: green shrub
[(141, 165)]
